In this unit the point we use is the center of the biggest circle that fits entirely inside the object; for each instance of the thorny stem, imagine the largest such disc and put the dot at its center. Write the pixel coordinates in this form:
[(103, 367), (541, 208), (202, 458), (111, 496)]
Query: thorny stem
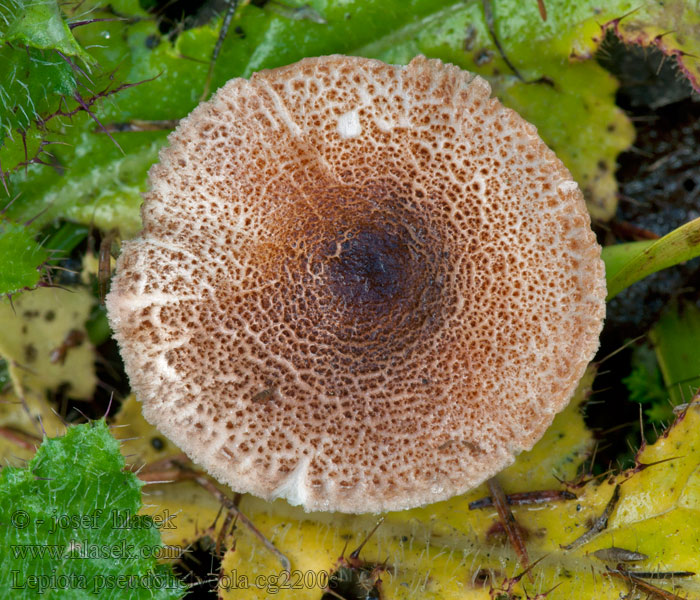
[(355, 554), (230, 11), (90, 21), (104, 269), (22, 439), (523, 498), (179, 472), (92, 99), (637, 583), (78, 98), (511, 525)]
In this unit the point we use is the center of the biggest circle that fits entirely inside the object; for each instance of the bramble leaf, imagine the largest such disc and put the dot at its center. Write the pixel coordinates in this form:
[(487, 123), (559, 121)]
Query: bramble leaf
[(38, 24), (42, 64), (68, 525)]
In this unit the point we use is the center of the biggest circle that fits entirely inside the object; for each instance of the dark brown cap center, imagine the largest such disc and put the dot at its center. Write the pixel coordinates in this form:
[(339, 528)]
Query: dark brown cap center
[(369, 268), (363, 274)]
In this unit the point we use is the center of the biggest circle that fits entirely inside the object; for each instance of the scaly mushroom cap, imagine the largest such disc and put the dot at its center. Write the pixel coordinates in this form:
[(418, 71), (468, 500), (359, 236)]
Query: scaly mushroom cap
[(359, 286)]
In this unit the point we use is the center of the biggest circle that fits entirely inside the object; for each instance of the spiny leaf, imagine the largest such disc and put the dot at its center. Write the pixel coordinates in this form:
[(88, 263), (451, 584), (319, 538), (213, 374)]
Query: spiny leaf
[(26, 419), (67, 526), (39, 24), (37, 50), (45, 78), (671, 26)]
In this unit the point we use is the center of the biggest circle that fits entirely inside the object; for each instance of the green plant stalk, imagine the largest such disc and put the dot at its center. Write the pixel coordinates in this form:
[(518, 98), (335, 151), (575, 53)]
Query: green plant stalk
[(626, 264)]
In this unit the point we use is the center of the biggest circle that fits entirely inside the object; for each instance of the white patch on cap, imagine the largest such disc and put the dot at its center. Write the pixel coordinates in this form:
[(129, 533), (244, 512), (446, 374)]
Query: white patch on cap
[(384, 125), (568, 186), (293, 488), (349, 124)]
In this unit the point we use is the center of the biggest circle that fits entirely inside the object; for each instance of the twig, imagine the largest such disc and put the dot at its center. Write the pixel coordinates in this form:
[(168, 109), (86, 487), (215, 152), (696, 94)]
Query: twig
[(522, 498), (511, 525), (230, 11), (22, 439), (636, 582), (179, 472), (142, 125), (543, 9)]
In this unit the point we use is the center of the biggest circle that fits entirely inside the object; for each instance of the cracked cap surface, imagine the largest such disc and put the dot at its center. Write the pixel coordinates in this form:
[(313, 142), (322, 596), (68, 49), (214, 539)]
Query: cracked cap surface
[(360, 287)]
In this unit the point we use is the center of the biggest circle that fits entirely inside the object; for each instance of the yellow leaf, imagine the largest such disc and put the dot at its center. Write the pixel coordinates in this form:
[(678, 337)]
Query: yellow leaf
[(446, 551), (35, 340)]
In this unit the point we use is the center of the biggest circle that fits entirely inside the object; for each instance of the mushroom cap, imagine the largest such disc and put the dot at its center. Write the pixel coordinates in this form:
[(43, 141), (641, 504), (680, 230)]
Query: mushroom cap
[(359, 286)]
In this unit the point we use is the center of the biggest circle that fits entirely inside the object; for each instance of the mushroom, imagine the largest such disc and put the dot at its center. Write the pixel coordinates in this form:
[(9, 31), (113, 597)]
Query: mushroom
[(359, 286)]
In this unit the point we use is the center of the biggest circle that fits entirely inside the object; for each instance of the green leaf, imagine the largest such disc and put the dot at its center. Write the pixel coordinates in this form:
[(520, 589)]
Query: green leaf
[(21, 256), (617, 256), (568, 96), (64, 240), (676, 339), (646, 385), (628, 263), (573, 108), (68, 528)]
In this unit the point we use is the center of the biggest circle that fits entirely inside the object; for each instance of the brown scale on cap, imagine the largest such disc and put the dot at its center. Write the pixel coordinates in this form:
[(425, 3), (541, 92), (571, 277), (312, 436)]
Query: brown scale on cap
[(359, 286)]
